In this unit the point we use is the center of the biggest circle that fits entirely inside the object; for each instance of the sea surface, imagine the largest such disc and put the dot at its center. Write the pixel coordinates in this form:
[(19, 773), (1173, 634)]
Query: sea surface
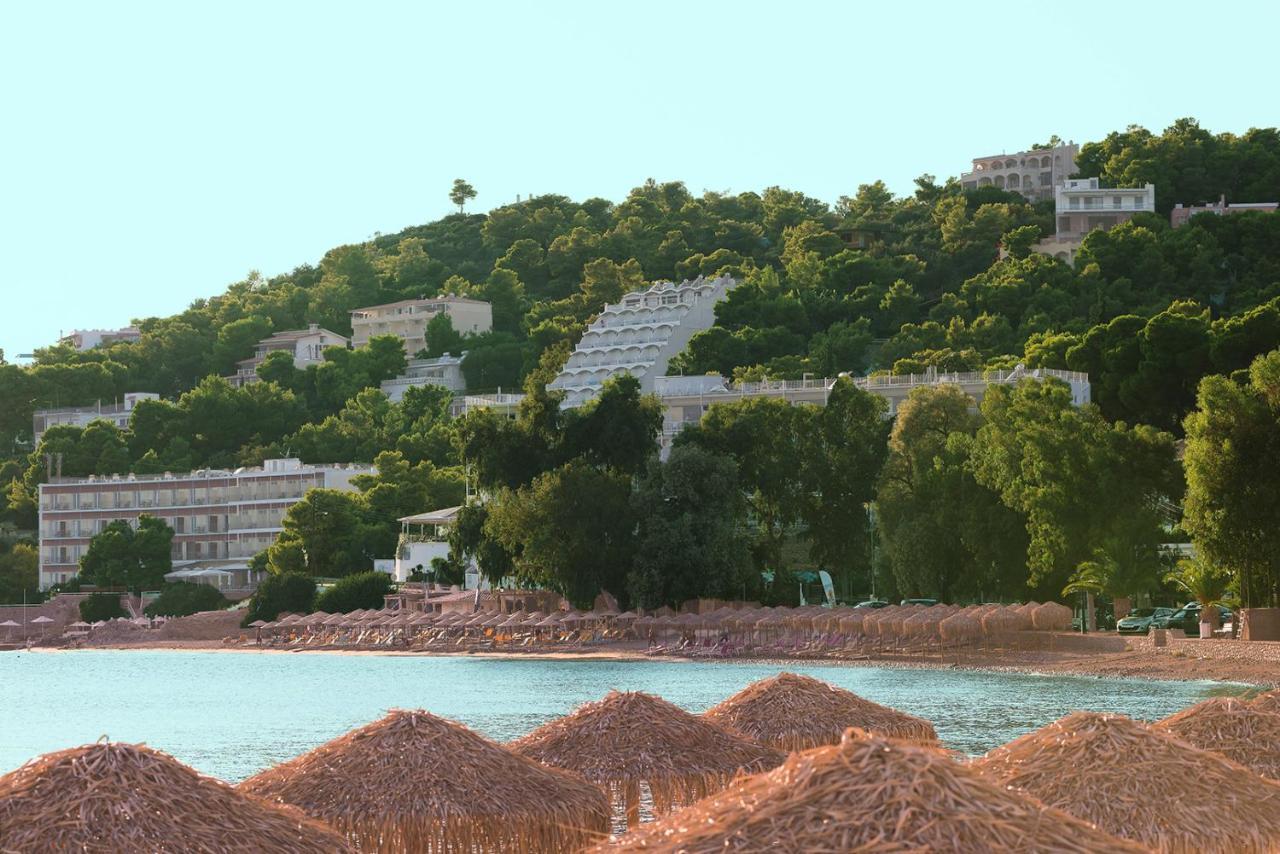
[(232, 714)]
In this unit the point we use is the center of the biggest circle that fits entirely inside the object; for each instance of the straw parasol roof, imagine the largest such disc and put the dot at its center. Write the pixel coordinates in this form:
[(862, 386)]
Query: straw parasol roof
[(1238, 730), (1051, 617), (1141, 783), (106, 797), (415, 782), (874, 794), (630, 738), (793, 712), (1268, 702)]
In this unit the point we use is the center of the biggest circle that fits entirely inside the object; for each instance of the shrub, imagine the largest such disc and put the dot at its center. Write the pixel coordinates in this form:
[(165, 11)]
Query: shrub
[(361, 590), (286, 591), (184, 598), (101, 606)]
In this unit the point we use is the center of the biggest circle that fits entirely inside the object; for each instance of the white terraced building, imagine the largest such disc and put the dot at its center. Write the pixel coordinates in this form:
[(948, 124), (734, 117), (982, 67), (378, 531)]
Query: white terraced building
[(639, 335)]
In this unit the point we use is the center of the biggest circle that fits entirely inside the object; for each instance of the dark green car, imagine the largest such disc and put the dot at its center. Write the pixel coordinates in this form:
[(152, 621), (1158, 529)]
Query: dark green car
[(1187, 618)]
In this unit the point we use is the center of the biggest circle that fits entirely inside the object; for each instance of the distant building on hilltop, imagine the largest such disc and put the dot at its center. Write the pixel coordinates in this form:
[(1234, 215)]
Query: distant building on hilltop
[(639, 335), (445, 371), (220, 518), (1034, 173), (409, 318), (1081, 205), (307, 347), (87, 339), (118, 412), (1181, 215)]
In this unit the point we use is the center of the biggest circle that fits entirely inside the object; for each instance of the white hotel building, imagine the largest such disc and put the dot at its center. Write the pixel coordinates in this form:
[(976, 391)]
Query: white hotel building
[(639, 335), (216, 515)]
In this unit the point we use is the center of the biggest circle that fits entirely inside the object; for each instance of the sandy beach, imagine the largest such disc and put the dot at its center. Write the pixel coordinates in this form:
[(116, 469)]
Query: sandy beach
[(1098, 655)]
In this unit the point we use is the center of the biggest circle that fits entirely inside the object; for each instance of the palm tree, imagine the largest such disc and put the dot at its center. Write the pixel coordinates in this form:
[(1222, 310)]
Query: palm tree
[(1204, 583), (1091, 578)]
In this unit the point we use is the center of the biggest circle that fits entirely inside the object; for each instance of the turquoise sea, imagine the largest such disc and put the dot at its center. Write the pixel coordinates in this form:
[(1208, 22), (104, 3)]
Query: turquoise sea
[(232, 714)]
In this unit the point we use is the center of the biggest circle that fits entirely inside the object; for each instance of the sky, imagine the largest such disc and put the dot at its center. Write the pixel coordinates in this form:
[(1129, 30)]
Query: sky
[(154, 153)]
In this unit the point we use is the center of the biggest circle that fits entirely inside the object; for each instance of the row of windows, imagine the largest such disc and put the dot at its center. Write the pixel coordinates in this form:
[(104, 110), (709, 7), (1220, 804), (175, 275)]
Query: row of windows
[(113, 499), (244, 547), (212, 524), (1095, 202)]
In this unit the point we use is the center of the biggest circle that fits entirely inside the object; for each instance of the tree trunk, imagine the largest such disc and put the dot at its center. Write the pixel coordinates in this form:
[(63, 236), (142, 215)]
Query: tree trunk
[(1090, 613), (1123, 604)]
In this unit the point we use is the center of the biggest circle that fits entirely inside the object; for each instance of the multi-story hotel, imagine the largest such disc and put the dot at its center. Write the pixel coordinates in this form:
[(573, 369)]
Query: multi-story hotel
[(118, 412), (686, 399), (307, 347), (215, 514), (1034, 174), (409, 318), (639, 335)]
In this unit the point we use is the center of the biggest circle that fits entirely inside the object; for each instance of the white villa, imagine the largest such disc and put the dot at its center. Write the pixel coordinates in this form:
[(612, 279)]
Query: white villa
[(307, 347)]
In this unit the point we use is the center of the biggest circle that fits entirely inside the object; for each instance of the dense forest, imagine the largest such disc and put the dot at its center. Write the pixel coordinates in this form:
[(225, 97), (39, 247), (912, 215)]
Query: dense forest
[(875, 282)]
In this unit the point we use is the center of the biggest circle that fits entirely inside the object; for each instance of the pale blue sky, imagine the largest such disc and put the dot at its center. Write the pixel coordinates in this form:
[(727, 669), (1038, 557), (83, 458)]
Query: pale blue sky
[(155, 152)]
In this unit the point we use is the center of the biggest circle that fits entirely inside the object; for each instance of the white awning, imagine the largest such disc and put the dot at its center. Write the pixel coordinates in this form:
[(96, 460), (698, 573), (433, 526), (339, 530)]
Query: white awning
[(444, 516), (180, 574)]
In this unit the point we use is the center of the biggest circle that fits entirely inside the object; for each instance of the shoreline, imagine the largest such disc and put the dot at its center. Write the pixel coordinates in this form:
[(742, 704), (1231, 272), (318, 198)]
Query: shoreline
[(1148, 665)]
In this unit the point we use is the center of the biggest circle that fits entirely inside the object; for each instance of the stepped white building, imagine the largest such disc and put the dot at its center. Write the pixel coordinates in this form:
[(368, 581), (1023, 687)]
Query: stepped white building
[(639, 335)]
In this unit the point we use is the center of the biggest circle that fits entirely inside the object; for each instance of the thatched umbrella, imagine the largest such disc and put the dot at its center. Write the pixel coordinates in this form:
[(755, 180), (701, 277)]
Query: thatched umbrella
[(1268, 702), (873, 794), (103, 798), (629, 739), (793, 712), (1238, 730), (416, 782), (1141, 783), (1052, 617)]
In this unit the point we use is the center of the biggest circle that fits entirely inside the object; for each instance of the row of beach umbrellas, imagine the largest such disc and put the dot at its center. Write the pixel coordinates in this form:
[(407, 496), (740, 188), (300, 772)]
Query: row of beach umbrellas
[(861, 777), (940, 623)]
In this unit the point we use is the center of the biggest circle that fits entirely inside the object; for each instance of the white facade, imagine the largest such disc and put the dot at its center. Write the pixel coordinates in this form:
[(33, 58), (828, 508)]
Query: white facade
[(117, 412), (215, 514), (87, 339), (1034, 174), (1082, 205), (425, 537), (446, 371), (502, 403), (409, 318), (639, 335), (307, 347)]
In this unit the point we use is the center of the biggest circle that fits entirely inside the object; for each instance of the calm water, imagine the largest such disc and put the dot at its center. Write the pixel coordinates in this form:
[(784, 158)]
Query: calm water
[(231, 714)]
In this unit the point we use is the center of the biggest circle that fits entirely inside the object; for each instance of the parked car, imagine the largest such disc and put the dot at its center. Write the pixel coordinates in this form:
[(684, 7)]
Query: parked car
[(872, 603), (1187, 618), (1140, 620), (926, 602)]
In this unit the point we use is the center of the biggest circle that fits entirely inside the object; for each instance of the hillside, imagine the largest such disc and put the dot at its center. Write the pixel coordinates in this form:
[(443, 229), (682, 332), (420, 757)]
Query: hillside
[(873, 283)]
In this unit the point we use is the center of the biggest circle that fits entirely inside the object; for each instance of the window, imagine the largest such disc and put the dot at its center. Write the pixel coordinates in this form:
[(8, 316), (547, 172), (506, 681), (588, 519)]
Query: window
[(1075, 203), (1117, 201), (1139, 202)]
